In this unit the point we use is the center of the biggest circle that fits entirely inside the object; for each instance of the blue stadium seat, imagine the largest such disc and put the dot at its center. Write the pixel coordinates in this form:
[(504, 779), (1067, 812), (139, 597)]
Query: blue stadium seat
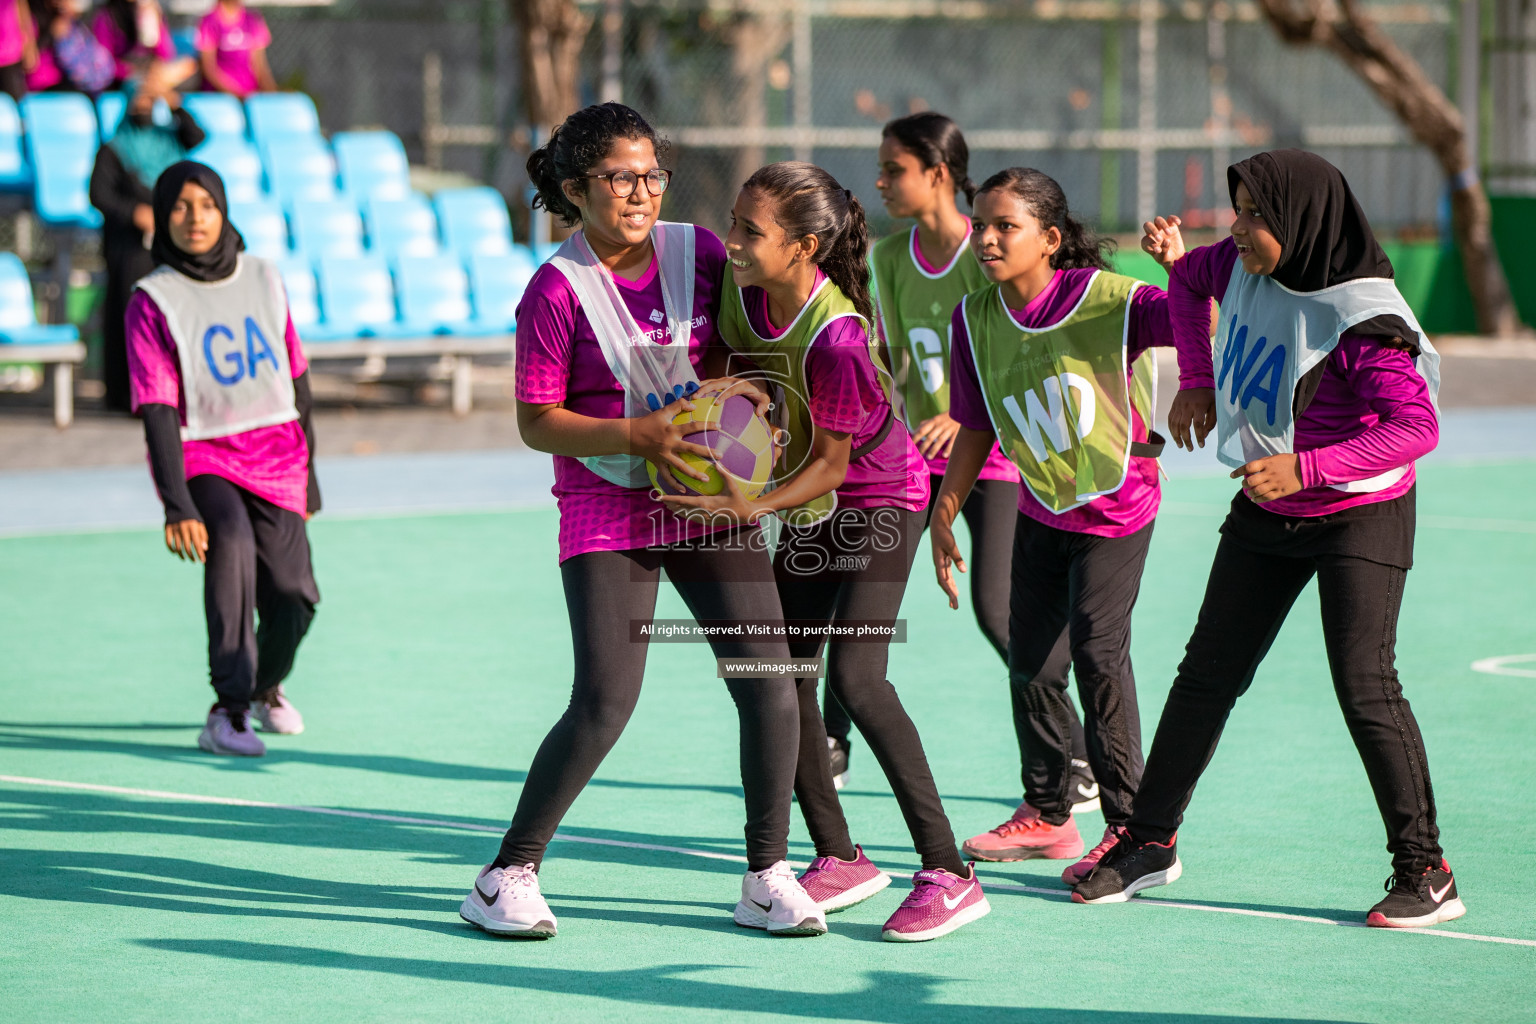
[(216, 113), (496, 281), (372, 165), (474, 220), (61, 169), (110, 107), (59, 115), (357, 297), (237, 163), (18, 311), (299, 167), (401, 227), (303, 296), (15, 172), (434, 296), (275, 114), (328, 227), (265, 230)]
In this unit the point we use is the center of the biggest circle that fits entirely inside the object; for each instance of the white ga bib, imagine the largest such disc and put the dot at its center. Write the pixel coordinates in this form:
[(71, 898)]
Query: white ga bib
[(635, 355), (230, 338), (1268, 337)]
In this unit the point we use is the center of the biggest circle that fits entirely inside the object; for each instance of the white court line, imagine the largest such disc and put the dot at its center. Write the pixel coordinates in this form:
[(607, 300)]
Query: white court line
[(1504, 665), (230, 801)]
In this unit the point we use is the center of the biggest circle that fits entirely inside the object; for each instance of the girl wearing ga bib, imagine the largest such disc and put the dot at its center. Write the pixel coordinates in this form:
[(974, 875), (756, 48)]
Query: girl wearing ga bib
[(218, 375), (920, 276), (851, 489), (1052, 361), (1321, 388), (624, 313)]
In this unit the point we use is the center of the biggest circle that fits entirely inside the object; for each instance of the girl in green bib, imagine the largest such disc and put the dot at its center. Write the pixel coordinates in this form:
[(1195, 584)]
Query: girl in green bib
[(852, 490), (1050, 360)]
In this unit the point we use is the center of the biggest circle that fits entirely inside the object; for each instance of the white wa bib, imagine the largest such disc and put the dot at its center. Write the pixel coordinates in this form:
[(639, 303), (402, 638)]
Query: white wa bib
[(635, 355), (1267, 339), (230, 340)]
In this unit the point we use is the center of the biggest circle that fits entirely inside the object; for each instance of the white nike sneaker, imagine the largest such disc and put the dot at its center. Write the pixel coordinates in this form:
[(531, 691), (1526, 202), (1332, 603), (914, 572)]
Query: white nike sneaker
[(773, 899), (507, 902)]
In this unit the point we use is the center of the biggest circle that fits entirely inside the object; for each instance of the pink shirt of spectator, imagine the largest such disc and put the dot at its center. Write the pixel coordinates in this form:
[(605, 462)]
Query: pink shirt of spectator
[(232, 39), (12, 41), (1135, 504), (111, 35), (270, 462), (47, 73), (847, 396), (559, 360)]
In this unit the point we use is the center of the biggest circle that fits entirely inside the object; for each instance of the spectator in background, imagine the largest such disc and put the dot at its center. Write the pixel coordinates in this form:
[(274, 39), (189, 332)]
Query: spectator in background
[(18, 47), (122, 187), (69, 58), (232, 45), (135, 33)]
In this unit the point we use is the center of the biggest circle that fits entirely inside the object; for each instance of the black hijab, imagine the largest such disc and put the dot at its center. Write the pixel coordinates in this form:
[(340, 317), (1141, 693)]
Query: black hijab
[(217, 263), (1324, 236)]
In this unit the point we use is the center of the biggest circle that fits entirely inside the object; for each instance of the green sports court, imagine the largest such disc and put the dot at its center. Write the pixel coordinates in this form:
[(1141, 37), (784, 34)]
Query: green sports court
[(145, 880)]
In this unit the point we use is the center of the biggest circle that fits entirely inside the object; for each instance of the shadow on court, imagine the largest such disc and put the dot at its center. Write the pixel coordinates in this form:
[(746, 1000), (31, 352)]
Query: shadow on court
[(889, 997)]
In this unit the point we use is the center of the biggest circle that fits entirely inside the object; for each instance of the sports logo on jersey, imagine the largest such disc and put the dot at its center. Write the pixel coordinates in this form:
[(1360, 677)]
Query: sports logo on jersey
[(657, 316)]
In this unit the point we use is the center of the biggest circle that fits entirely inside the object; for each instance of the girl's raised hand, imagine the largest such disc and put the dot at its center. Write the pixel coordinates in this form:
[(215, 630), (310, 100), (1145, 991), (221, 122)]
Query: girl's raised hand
[(1163, 240), (188, 540), (728, 507), (1271, 477), (655, 438), (946, 552), (1192, 417)]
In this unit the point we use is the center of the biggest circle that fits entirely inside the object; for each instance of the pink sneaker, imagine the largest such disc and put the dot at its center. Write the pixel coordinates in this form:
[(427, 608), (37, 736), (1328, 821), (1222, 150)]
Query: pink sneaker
[(229, 732), (274, 713), (839, 884), (1083, 868), (939, 903), (1024, 837)]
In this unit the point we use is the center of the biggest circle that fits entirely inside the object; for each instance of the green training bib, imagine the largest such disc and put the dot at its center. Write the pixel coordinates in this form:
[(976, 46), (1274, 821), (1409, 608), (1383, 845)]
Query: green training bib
[(1059, 396)]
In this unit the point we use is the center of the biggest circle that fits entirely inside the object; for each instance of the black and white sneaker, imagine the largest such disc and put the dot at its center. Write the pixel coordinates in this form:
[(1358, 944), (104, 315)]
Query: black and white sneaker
[(1083, 790), (838, 750), (1418, 900), (1129, 868)]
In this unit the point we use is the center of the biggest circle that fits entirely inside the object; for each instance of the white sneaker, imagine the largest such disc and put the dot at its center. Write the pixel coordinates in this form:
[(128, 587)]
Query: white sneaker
[(229, 732), (507, 902), (274, 713), (773, 899)]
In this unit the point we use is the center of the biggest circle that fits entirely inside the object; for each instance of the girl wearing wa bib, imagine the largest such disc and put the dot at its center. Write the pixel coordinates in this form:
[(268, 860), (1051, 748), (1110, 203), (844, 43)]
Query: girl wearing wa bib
[(1321, 388), (851, 489), (217, 373), (622, 317), (1051, 360)]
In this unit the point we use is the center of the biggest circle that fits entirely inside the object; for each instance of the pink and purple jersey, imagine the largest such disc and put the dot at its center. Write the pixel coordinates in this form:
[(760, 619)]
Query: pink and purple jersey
[(1135, 504), (232, 40), (846, 396), (13, 42), (1372, 411), (110, 35), (270, 462), (559, 360), (47, 73)]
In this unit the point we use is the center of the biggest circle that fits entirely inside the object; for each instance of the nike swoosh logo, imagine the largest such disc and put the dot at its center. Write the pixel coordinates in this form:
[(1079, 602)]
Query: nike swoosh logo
[(1085, 791), (951, 904), (1438, 896), (764, 907), (489, 901)]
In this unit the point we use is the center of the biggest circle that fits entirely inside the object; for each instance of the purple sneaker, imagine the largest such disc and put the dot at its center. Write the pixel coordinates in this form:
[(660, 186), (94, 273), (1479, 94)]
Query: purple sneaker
[(274, 713), (939, 903), (839, 884), (229, 732)]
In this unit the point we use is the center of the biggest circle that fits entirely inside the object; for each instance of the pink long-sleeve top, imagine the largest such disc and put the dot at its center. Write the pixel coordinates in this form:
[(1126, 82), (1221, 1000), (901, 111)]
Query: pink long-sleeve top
[(1372, 411)]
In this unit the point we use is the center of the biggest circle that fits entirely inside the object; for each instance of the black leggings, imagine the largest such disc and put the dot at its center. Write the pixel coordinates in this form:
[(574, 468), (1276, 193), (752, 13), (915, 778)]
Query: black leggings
[(876, 548), (720, 577), (258, 566), (1246, 601), (989, 514), (1071, 609)]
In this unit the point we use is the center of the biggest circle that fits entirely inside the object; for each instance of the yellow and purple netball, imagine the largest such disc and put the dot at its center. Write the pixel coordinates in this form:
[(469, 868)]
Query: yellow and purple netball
[(740, 438)]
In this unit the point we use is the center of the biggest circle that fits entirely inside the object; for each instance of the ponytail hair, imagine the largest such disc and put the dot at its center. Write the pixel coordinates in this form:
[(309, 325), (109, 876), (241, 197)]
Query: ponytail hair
[(1080, 247), (578, 145), (809, 201), (935, 139)]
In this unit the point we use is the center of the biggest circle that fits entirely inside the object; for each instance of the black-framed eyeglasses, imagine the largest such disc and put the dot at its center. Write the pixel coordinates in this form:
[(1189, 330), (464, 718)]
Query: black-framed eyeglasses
[(624, 183)]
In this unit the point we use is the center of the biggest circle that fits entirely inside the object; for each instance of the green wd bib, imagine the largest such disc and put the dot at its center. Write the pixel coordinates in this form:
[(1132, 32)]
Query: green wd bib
[(780, 362), (915, 307), (1058, 396)]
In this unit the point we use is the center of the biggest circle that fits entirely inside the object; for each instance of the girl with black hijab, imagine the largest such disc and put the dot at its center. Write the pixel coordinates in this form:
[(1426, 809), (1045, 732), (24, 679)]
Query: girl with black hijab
[(218, 374), (1322, 395)]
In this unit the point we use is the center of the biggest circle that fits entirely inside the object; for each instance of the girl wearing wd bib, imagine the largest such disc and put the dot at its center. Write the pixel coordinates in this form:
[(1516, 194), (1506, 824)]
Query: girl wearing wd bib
[(1051, 360), (920, 277), (851, 488), (1322, 394), (624, 313), (217, 373)]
